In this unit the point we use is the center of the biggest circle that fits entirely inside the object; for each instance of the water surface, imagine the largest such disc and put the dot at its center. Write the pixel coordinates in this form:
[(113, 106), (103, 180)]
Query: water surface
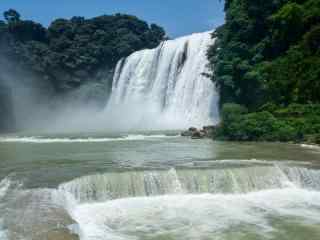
[(156, 185)]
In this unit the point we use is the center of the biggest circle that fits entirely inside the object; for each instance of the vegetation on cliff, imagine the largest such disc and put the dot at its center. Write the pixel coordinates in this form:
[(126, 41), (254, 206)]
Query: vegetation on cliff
[(267, 60), (70, 56), (71, 52), (295, 122)]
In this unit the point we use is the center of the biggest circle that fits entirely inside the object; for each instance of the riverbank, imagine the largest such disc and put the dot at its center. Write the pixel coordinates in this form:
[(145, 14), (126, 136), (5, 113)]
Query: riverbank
[(105, 185), (296, 123)]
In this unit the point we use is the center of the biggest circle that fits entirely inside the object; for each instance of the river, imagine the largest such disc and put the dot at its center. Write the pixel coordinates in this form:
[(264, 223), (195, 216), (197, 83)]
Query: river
[(156, 185)]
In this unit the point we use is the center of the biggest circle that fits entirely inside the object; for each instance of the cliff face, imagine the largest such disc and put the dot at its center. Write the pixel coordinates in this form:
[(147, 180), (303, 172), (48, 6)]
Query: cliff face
[(6, 109)]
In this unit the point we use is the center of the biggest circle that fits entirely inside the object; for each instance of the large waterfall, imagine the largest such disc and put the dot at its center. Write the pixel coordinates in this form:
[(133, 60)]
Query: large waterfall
[(166, 87)]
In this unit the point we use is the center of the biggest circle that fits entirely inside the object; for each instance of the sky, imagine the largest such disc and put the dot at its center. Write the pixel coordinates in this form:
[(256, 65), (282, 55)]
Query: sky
[(178, 17)]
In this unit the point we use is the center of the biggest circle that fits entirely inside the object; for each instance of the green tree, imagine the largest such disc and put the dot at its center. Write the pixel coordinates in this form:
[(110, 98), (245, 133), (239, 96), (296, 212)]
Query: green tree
[(11, 16)]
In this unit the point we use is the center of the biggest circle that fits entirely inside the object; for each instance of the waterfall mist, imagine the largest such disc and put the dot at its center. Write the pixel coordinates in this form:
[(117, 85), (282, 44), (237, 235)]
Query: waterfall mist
[(162, 88), (25, 94), (166, 87)]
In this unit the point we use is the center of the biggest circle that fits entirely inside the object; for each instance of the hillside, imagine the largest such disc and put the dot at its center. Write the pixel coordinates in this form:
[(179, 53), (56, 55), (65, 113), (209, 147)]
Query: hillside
[(267, 59), (69, 54)]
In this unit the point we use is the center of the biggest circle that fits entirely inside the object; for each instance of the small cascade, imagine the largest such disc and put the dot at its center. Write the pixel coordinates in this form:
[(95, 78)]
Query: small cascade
[(110, 186), (4, 186), (167, 86)]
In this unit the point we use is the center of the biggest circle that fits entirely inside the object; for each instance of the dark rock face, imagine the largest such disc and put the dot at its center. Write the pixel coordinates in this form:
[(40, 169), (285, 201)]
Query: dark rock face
[(6, 112)]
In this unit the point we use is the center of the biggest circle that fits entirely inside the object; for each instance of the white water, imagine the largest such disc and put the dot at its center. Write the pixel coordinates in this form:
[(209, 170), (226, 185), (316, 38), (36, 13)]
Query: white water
[(195, 204), (115, 185), (231, 201), (204, 216), (40, 140), (315, 147), (165, 87), (4, 187)]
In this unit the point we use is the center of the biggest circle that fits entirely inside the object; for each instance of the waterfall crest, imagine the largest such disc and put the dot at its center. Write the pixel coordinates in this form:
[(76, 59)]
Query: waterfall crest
[(115, 185), (166, 87)]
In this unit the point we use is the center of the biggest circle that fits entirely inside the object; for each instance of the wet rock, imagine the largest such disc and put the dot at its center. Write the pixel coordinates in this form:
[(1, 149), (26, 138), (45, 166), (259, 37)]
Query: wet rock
[(198, 135), (189, 132), (205, 132), (192, 129)]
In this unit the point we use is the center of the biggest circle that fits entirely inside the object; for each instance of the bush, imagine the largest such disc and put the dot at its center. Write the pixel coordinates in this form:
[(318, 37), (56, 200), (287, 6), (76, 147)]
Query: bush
[(259, 125), (231, 112), (294, 123), (231, 115), (70, 46)]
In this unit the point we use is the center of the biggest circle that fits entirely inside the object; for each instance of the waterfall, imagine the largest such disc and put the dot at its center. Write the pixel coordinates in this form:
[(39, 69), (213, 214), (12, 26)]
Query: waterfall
[(238, 180), (166, 87)]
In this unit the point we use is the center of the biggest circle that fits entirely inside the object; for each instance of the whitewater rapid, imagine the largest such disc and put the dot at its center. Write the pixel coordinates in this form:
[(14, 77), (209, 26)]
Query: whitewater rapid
[(248, 196), (166, 87), (42, 140), (195, 203)]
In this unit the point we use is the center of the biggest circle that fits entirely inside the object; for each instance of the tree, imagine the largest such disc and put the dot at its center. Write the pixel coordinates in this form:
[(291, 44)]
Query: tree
[(11, 16)]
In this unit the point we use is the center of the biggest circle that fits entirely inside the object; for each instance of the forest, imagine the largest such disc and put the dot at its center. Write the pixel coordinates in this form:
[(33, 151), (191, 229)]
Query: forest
[(69, 53), (266, 65)]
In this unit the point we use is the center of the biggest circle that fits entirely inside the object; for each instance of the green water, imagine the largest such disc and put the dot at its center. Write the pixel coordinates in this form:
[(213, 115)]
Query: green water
[(48, 164), (165, 187)]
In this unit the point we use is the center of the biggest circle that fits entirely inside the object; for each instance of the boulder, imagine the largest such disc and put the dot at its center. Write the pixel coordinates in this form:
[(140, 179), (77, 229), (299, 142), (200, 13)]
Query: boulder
[(189, 132), (198, 135), (192, 129)]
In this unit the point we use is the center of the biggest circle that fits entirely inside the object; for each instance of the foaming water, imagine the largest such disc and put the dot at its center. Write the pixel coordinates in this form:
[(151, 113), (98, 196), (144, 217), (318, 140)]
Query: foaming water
[(165, 88), (157, 188), (310, 146), (36, 214), (231, 180), (231, 199), (204, 216), (81, 140), (237, 201), (4, 186)]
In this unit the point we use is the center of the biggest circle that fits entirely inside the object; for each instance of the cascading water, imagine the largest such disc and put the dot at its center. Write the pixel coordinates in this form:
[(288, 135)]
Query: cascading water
[(116, 185), (157, 185), (166, 87), (197, 203), (250, 197)]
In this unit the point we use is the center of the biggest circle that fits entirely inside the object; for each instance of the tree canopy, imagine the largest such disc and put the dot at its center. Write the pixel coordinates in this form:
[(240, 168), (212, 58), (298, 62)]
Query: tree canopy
[(268, 51), (73, 51), (268, 54)]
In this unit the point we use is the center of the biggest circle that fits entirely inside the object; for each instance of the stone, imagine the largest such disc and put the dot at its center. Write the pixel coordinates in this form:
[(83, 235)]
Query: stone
[(192, 129), (186, 134), (197, 135)]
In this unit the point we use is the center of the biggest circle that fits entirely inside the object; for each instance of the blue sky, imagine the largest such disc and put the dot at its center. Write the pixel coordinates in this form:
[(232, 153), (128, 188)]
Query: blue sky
[(178, 17)]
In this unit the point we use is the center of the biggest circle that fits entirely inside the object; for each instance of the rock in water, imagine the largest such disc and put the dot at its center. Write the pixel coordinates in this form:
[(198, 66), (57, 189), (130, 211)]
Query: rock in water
[(198, 135)]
